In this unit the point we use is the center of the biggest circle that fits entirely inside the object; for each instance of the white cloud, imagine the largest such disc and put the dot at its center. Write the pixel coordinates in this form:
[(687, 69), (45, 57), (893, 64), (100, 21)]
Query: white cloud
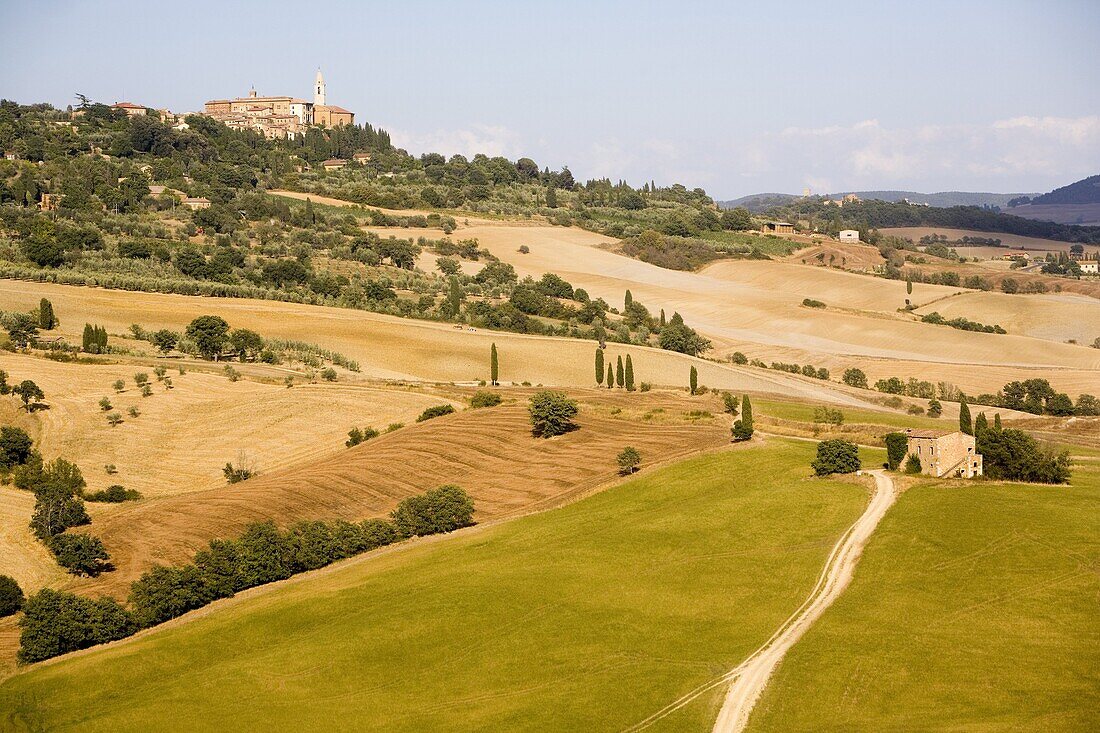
[(492, 140), (1000, 155)]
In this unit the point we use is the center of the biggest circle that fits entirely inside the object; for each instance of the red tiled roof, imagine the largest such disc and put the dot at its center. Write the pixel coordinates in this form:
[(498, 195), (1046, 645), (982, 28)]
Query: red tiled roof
[(127, 105), (334, 161), (928, 433), (332, 108)]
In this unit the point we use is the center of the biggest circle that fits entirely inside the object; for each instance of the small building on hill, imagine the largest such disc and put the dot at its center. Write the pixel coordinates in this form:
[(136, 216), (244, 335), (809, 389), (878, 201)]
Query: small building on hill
[(1089, 267), (196, 203), (1018, 254), (334, 164), (131, 109), (777, 227), (944, 453), (849, 235)]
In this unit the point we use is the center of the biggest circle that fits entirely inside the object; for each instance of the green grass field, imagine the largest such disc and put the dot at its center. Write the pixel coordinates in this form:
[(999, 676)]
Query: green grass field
[(805, 413), (589, 617), (973, 609)]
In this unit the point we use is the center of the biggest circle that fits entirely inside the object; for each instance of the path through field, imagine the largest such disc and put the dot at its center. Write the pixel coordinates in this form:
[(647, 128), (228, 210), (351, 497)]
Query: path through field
[(748, 679)]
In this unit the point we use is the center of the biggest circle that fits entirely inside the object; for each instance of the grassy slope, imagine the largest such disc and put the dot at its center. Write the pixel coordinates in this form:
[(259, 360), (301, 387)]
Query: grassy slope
[(587, 617), (973, 609)]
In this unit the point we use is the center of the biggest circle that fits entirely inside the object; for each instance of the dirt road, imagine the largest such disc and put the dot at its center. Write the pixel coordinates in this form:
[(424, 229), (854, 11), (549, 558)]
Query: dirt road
[(753, 674), (748, 679)]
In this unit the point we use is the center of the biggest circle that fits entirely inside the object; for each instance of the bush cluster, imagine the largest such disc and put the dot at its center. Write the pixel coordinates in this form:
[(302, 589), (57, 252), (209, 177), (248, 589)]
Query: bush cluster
[(435, 411)]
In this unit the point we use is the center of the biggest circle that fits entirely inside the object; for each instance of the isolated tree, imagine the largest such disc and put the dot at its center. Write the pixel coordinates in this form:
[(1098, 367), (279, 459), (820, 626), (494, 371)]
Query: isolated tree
[(119, 385), (494, 365), (935, 409), (46, 318), (620, 376), (729, 403), (552, 414), (836, 456), (629, 459), (908, 287), (965, 423), (610, 377), (105, 404), (28, 391), (209, 333), (693, 379), (629, 374), (743, 429), (599, 366), (165, 340)]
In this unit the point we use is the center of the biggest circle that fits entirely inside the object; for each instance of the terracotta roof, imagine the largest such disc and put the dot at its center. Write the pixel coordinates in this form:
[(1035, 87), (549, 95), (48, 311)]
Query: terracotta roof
[(218, 101), (928, 433), (361, 155), (127, 105), (334, 161), (333, 108), (199, 200)]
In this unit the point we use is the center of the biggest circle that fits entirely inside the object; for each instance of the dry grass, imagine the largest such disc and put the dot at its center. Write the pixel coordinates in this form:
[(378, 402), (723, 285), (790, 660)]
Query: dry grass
[(489, 452)]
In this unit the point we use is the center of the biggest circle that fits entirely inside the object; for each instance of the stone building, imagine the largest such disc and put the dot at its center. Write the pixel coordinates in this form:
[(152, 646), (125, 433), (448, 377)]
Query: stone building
[(280, 116), (944, 453)]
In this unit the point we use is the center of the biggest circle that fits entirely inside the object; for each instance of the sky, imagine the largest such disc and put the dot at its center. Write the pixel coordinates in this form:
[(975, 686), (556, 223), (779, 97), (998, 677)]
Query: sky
[(733, 97)]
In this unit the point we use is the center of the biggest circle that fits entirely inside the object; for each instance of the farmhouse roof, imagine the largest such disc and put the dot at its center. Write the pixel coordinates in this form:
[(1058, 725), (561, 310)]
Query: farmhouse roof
[(334, 108), (334, 161), (922, 433), (127, 105)]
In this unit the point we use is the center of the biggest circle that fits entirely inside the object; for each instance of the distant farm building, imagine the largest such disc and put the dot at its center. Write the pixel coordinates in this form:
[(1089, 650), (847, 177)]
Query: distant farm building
[(196, 203), (1089, 267), (131, 109), (777, 227), (849, 235), (1017, 255), (334, 164), (944, 453), (361, 158)]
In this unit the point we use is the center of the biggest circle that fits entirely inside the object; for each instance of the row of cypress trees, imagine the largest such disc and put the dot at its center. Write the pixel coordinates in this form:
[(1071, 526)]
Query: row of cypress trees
[(621, 376), (95, 339)]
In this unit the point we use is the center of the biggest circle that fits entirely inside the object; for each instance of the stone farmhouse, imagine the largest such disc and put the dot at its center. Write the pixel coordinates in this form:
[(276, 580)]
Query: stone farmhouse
[(944, 453), (281, 116)]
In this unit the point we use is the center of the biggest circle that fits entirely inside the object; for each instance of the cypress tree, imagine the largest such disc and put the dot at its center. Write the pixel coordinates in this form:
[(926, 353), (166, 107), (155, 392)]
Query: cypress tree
[(980, 424), (620, 374), (89, 338), (599, 365), (662, 318), (965, 424), (610, 377), (629, 374), (101, 341), (693, 379), (628, 299), (494, 367), (908, 287), (46, 318), (746, 413), (997, 422)]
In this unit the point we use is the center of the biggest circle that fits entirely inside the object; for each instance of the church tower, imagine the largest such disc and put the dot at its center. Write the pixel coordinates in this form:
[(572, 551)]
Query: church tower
[(319, 90)]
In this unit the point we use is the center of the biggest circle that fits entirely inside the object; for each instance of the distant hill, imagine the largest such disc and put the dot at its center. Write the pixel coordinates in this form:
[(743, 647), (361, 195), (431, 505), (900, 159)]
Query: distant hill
[(1085, 191), (1077, 203), (761, 202)]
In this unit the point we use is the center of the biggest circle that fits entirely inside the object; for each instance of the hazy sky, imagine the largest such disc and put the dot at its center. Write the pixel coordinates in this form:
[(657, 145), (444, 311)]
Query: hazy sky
[(735, 97)]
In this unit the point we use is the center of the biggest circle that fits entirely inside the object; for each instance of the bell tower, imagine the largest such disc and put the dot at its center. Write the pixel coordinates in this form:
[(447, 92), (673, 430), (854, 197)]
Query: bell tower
[(319, 90)]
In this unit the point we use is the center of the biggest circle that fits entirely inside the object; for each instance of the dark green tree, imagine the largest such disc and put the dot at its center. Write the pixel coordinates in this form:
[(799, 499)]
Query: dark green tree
[(620, 375), (209, 334), (165, 340), (599, 366), (965, 423), (46, 318), (897, 445), (610, 377), (693, 379), (629, 374), (28, 392), (80, 554), (11, 596), (494, 365), (836, 456), (743, 429), (629, 459)]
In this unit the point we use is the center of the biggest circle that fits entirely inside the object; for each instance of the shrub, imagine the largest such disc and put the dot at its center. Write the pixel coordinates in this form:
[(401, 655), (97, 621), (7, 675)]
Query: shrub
[(119, 385), (329, 375), (232, 374), (357, 436), (444, 509), (912, 464), (133, 411), (485, 399), (394, 426), (645, 386), (552, 414), (729, 403), (141, 379), (105, 404), (114, 494), (11, 596), (629, 459), (738, 358), (436, 411), (935, 409), (836, 456), (811, 303), (113, 419), (236, 474), (80, 554), (828, 416), (56, 622)]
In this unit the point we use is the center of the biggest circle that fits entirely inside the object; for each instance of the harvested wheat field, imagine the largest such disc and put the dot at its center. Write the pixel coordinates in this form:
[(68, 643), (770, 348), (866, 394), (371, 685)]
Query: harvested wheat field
[(755, 307), (1014, 241), (1055, 317), (489, 452), (388, 347)]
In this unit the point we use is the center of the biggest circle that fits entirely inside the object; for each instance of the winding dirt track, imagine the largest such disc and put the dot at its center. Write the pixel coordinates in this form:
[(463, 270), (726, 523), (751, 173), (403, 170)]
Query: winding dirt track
[(748, 679)]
